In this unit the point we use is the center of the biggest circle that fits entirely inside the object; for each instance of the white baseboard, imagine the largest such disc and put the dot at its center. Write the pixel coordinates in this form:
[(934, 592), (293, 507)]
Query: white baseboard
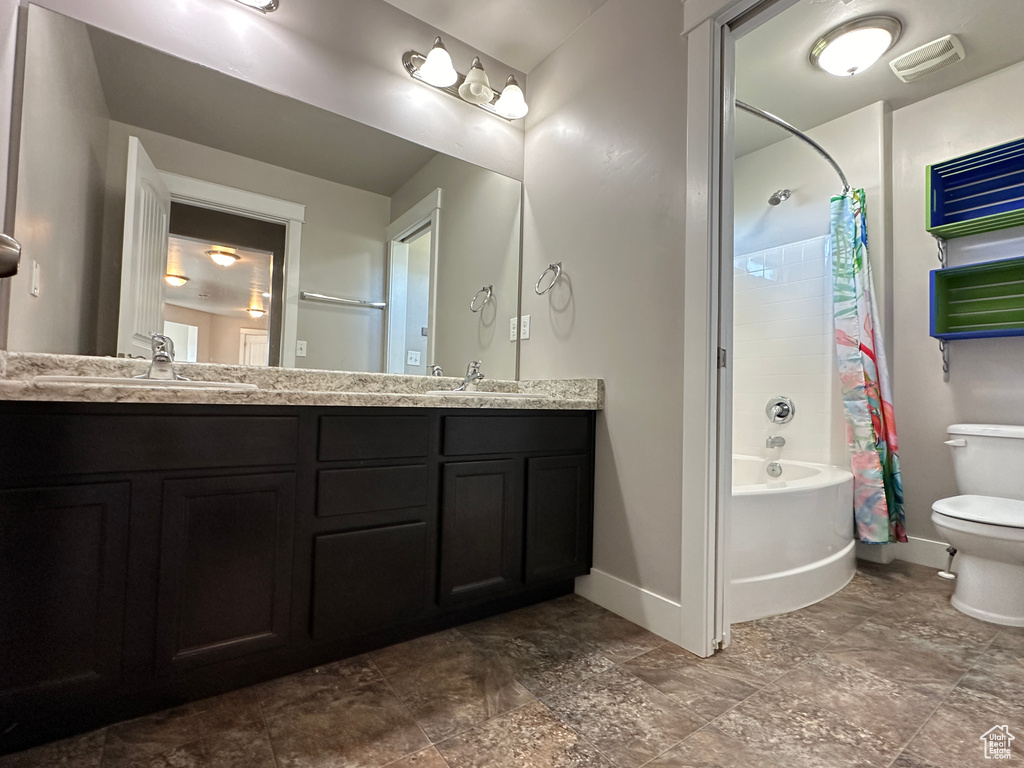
[(653, 612), (915, 550)]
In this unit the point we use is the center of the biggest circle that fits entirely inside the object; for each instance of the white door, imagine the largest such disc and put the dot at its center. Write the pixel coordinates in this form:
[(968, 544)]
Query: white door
[(253, 347), (147, 213)]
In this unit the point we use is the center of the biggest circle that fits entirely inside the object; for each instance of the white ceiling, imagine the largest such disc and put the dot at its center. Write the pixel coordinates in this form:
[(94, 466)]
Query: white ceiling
[(520, 33), (773, 71), (217, 290)]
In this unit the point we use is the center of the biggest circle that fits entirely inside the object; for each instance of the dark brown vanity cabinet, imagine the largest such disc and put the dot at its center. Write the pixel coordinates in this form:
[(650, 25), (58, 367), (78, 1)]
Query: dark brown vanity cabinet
[(155, 554)]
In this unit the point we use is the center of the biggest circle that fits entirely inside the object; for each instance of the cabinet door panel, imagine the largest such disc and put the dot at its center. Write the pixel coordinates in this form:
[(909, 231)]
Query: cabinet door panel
[(481, 544), (63, 558), (225, 566), (557, 517), (368, 580)]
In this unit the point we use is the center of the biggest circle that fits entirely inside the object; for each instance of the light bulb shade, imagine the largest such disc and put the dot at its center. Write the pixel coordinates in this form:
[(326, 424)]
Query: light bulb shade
[(256, 313), (851, 48), (222, 258), (175, 280), (512, 103), (476, 89), (437, 69)]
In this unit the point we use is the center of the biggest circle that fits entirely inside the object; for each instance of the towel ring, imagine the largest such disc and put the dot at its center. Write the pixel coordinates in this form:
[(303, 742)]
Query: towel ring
[(557, 269), (488, 290)]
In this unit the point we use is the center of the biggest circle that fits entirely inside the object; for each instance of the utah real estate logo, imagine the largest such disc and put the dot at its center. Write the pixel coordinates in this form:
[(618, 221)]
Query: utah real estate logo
[(997, 742)]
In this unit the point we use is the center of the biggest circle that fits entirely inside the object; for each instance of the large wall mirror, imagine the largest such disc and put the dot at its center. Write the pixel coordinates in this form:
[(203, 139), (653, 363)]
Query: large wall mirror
[(155, 194)]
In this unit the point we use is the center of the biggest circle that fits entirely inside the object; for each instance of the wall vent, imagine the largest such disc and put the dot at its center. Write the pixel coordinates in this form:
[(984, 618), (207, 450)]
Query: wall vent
[(930, 57)]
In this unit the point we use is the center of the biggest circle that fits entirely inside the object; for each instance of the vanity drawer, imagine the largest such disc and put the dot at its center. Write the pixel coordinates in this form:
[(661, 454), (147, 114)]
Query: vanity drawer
[(372, 489), (77, 443), (467, 435), (348, 438)]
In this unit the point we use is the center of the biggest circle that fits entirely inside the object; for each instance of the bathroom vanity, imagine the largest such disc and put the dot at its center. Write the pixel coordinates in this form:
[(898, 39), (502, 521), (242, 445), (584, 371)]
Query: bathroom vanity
[(153, 553)]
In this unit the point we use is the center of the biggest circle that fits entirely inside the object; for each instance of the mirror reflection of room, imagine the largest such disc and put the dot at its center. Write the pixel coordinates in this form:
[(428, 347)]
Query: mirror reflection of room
[(333, 186)]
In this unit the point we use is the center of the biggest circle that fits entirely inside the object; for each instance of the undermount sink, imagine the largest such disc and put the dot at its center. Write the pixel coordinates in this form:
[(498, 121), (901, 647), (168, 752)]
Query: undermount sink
[(124, 381), (519, 395)]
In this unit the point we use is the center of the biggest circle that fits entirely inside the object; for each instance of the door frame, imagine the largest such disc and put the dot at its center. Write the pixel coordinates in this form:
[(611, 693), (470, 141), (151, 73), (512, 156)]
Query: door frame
[(217, 197), (425, 214), (711, 28)]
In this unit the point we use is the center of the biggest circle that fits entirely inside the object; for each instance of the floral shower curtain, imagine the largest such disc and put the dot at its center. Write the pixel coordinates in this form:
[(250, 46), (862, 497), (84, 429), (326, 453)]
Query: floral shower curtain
[(867, 398)]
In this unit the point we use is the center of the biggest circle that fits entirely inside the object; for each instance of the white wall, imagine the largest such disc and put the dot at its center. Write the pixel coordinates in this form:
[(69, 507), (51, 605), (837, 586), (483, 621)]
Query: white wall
[(62, 164), (342, 243), (985, 374), (342, 55), (478, 245), (782, 282), (604, 194)]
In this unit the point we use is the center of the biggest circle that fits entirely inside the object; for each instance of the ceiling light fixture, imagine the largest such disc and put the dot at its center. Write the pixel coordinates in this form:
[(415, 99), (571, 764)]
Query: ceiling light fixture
[(855, 45), (473, 88), (256, 312), (175, 280), (263, 6), (222, 258)]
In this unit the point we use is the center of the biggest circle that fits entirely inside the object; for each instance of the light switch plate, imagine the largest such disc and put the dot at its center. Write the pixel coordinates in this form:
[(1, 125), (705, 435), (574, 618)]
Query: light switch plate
[(413, 358), (524, 327), (300, 349), (512, 328)]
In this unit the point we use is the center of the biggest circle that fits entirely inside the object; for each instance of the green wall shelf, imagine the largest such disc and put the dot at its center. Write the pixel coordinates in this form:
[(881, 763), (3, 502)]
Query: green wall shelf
[(976, 193), (978, 301)]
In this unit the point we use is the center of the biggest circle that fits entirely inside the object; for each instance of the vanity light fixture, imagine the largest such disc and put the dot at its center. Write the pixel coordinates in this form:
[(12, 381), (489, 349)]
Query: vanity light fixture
[(222, 258), (256, 312), (175, 281), (263, 6), (473, 88), (855, 45)]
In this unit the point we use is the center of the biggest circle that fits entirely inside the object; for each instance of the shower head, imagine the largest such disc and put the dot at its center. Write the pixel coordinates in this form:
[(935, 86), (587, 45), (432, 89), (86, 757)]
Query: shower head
[(778, 197)]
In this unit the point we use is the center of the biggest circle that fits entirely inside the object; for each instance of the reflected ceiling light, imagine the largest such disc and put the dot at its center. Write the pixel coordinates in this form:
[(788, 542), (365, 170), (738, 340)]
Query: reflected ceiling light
[(222, 258), (512, 103), (473, 88), (437, 69), (175, 280), (855, 45), (266, 295), (476, 89), (263, 6), (256, 312)]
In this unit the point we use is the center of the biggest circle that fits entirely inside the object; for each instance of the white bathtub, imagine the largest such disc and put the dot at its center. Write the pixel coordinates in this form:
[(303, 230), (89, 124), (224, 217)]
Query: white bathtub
[(792, 540)]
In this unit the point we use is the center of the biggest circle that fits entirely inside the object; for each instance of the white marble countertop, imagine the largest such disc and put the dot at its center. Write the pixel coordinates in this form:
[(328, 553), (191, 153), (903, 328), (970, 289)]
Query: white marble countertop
[(278, 386)]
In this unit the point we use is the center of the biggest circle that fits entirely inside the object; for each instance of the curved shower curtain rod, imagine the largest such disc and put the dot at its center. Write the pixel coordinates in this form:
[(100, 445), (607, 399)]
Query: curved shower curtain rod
[(800, 135)]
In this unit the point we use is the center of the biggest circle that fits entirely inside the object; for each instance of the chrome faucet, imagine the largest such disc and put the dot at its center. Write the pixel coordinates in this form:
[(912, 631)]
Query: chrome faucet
[(776, 441), (435, 370), (162, 365), (473, 375)]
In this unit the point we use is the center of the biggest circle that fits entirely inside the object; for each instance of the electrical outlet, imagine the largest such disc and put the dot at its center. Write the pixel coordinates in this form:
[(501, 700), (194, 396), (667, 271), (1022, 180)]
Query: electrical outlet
[(300, 349), (413, 358), (524, 327), (34, 289), (512, 328)]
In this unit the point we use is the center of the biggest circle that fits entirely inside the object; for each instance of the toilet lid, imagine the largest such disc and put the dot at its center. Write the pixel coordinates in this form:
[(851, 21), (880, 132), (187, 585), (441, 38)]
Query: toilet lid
[(983, 509)]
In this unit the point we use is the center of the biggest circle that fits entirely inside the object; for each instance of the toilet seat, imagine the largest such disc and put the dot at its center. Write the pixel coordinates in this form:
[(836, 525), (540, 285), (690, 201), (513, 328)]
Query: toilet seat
[(987, 510)]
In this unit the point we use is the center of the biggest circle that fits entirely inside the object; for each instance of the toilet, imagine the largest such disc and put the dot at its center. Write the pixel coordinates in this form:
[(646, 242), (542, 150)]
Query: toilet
[(986, 524)]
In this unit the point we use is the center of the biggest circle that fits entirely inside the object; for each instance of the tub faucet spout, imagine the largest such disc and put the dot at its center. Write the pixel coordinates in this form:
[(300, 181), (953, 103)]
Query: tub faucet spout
[(775, 441)]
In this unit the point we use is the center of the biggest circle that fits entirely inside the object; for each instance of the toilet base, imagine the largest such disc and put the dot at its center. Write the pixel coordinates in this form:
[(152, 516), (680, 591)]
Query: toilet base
[(990, 590)]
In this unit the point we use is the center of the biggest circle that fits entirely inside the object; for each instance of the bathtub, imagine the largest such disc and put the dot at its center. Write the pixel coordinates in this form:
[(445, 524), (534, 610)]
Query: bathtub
[(792, 541)]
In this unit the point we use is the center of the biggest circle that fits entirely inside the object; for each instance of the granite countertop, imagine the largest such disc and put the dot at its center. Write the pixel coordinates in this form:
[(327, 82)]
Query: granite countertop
[(277, 386)]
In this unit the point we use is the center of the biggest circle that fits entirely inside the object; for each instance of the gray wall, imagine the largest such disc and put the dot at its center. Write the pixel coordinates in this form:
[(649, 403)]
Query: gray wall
[(342, 242), (479, 215), (985, 374), (605, 183), (62, 163)]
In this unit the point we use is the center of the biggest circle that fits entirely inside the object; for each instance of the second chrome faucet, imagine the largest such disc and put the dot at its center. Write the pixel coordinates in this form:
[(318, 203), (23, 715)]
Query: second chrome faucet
[(473, 375)]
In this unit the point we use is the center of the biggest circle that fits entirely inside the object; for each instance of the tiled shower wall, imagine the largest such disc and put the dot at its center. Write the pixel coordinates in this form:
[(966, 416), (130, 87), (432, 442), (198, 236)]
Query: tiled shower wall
[(783, 346)]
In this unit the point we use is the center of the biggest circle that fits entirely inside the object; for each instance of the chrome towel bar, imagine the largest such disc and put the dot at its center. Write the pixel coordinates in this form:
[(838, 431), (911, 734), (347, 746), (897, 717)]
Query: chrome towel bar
[(307, 296), (488, 291), (557, 269)]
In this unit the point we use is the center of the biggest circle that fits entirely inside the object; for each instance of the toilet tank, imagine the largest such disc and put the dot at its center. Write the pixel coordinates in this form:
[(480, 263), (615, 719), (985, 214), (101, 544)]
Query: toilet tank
[(988, 459)]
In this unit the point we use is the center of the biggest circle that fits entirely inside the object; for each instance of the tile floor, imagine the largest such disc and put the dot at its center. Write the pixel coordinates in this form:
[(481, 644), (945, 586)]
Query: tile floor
[(885, 673)]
